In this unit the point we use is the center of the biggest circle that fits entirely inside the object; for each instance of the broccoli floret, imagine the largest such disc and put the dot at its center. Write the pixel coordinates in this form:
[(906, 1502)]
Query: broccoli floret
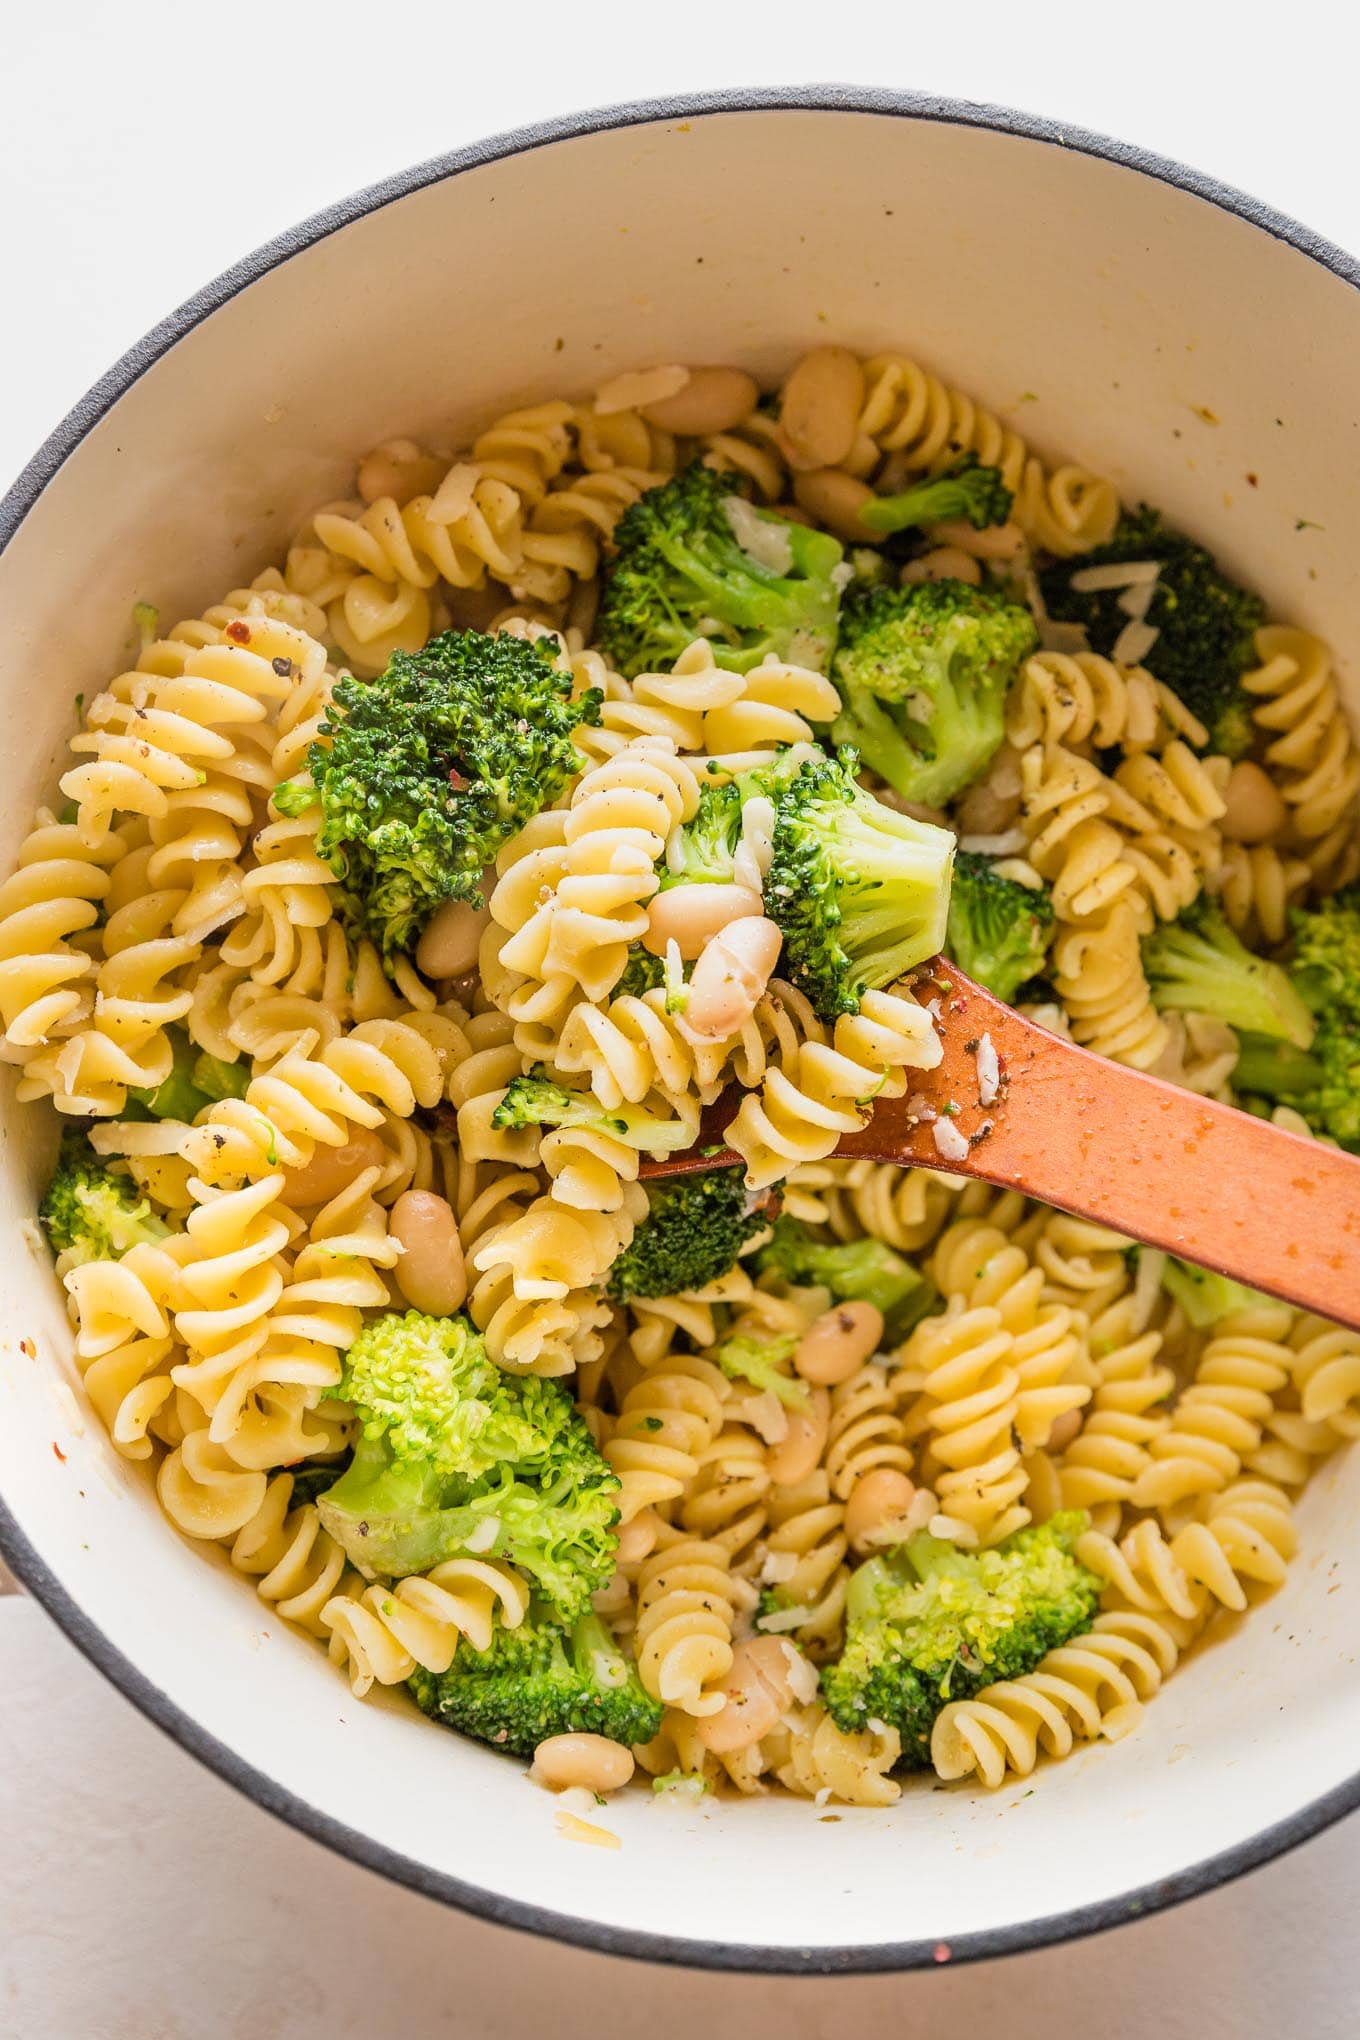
[(702, 851), (536, 1100), (695, 1228), (454, 1454), (1195, 964), (643, 972), (927, 1624), (312, 1480), (692, 559), (967, 489), (761, 1360), (1323, 1084), (869, 568), (539, 1680), (864, 1270), (89, 1212), (1205, 1296), (1326, 959), (424, 773), (196, 1080), (923, 673), (1204, 621), (998, 930), (859, 891)]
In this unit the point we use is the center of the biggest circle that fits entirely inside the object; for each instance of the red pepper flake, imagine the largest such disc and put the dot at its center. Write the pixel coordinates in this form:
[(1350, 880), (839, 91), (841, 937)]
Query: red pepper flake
[(943, 1952), (238, 632), (60, 1454), (27, 1346), (456, 779)]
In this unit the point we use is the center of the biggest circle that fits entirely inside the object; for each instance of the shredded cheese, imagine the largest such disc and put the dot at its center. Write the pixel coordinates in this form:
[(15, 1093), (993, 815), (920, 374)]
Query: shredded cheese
[(988, 1071), (766, 542), (639, 386), (1115, 574), (949, 1142)]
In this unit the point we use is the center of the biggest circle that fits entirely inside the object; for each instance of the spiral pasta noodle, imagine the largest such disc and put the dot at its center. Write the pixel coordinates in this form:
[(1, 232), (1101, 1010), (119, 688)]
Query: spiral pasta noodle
[(685, 1611), (174, 925), (1217, 1421), (380, 1634), (911, 414)]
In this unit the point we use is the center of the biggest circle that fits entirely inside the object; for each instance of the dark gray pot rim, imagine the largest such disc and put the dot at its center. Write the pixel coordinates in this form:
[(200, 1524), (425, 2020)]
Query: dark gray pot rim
[(15, 1547)]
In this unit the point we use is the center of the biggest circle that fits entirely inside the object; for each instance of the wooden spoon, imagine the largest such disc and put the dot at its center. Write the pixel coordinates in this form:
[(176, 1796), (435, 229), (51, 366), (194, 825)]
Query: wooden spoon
[(1202, 1180)]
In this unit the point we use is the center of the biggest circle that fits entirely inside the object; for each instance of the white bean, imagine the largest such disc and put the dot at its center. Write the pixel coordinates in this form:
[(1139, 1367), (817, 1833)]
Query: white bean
[(448, 947), (590, 1760), (995, 542), (877, 1498), (945, 563), (691, 915), (797, 1453), (333, 1169), (836, 1344), (401, 470), (713, 400), (835, 499), (730, 977), (1254, 811), (819, 412), (430, 1274), (758, 1694)]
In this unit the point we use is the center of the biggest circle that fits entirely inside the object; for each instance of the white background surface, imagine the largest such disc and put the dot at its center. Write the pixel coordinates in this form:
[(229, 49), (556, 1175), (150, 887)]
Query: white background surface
[(143, 148)]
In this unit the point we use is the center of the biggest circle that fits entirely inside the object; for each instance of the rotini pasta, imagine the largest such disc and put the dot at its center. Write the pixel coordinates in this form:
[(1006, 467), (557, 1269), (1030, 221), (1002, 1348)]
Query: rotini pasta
[(294, 1099)]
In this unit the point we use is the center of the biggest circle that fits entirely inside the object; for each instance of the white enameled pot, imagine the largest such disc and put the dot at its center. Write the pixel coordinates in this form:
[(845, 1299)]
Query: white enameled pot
[(1123, 312)]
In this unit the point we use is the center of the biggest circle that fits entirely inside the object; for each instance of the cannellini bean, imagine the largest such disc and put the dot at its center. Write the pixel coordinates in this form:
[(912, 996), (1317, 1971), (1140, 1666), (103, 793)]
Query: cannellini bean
[(333, 1169), (797, 1453), (590, 1760), (945, 563), (448, 947), (1254, 810), (401, 470), (820, 409), (713, 400), (876, 1498), (995, 542), (1064, 1430), (758, 1694), (730, 976), (839, 1342), (691, 915), (430, 1274), (835, 499)]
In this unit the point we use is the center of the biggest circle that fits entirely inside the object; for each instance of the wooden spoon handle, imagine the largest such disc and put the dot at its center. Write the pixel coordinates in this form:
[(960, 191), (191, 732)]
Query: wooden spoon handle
[(1202, 1180)]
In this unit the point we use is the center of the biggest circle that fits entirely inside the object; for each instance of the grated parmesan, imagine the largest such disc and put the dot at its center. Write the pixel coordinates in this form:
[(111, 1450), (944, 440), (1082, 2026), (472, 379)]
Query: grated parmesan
[(573, 1829), (988, 1071), (803, 1681), (1007, 844), (782, 1619), (767, 543), (767, 1415), (1134, 642), (949, 1142), (777, 1567), (639, 386), (1114, 574)]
